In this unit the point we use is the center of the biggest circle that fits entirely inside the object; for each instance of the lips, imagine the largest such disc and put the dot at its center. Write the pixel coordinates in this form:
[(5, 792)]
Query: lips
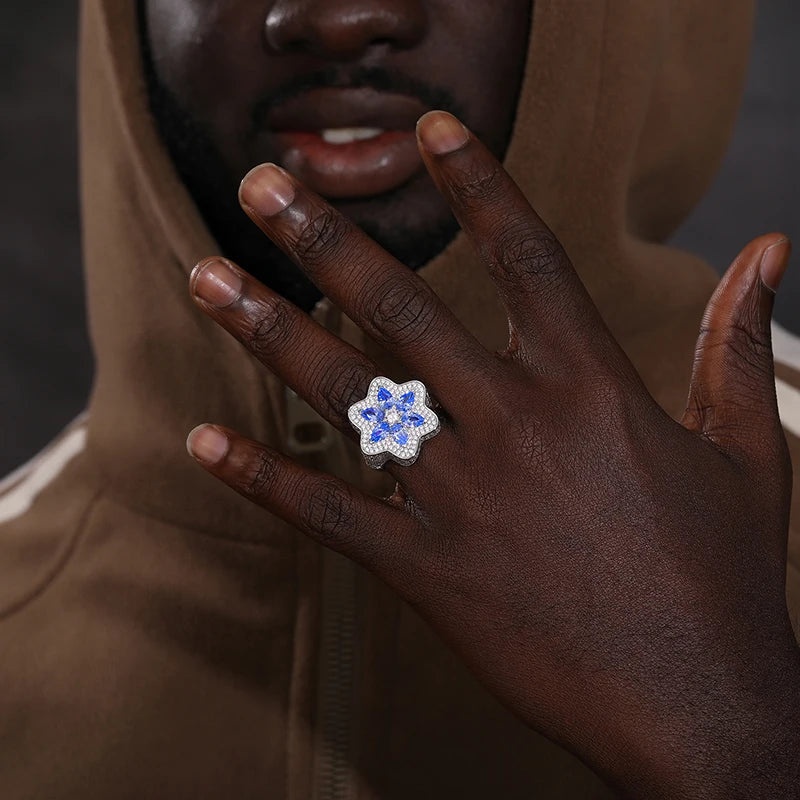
[(348, 143)]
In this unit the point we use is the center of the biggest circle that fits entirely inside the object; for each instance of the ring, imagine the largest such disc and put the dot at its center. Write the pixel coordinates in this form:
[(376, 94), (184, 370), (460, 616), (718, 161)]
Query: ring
[(393, 420)]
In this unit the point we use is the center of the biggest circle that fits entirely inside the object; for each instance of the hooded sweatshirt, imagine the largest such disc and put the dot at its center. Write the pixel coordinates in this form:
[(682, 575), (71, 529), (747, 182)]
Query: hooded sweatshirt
[(162, 637)]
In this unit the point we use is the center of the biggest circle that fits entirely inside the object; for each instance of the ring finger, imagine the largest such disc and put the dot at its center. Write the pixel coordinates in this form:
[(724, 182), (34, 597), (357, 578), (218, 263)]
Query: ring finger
[(329, 374)]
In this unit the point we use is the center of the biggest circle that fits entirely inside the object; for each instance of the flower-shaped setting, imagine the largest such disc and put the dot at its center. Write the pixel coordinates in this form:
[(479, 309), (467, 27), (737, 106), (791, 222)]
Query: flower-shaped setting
[(393, 419)]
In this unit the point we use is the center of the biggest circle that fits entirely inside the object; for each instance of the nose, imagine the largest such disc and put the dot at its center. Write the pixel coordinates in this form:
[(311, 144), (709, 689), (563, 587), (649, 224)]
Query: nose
[(343, 30)]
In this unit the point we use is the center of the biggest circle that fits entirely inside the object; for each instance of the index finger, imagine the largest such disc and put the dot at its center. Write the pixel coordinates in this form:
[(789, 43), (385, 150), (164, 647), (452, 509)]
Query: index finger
[(545, 299)]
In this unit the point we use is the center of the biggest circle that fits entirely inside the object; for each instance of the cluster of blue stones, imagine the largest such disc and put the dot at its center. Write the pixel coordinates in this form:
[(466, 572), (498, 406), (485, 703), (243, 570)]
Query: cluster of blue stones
[(392, 418)]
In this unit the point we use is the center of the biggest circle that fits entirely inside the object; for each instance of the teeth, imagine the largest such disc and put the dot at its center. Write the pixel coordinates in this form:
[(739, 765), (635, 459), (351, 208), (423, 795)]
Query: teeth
[(347, 135)]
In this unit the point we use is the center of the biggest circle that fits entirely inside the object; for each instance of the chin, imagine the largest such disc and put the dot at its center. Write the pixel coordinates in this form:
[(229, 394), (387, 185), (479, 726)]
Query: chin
[(413, 222)]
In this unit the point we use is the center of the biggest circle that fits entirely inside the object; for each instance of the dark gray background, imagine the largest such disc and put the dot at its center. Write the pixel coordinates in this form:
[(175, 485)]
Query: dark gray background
[(45, 359)]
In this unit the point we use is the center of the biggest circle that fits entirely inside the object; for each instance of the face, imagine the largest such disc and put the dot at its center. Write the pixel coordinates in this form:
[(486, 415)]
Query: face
[(331, 90)]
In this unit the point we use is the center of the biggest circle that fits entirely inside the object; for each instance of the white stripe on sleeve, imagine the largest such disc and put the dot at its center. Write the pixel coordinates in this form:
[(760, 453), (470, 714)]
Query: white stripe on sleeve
[(789, 406), (24, 484), (785, 346)]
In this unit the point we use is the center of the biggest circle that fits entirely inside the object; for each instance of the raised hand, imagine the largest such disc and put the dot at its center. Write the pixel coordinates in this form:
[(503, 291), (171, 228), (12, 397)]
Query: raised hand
[(614, 576)]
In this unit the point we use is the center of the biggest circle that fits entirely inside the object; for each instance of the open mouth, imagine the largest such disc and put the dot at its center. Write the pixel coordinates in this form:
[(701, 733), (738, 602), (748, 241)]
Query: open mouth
[(348, 143), (349, 135), (345, 162)]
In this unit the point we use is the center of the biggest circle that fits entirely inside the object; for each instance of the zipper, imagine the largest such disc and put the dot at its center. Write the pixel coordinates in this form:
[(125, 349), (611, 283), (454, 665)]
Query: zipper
[(335, 751), (335, 735), (314, 442)]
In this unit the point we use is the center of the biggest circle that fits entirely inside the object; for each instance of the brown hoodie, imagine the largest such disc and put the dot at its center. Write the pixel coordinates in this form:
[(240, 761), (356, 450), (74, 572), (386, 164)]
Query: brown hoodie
[(161, 637)]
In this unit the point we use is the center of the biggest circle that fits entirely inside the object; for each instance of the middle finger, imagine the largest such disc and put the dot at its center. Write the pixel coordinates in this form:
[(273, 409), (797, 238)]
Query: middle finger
[(385, 298)]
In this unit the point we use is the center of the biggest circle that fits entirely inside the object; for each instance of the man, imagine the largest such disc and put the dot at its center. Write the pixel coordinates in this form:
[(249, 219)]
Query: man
[(165, 637)]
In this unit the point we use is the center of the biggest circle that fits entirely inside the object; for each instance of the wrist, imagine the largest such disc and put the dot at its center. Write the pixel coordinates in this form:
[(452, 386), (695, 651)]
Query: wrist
[(708, 739)]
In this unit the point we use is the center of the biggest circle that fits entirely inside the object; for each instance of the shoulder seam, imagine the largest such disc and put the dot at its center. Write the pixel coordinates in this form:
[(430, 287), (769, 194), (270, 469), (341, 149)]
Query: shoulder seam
[(61, 562), (18, 498)]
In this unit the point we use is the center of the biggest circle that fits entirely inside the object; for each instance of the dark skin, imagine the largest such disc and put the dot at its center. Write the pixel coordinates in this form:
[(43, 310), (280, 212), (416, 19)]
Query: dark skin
[(216, 65), (613, 576)]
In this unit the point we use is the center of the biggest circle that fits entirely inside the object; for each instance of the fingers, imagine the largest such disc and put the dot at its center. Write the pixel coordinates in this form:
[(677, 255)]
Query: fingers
[(732, 395), (379, 534), (386, 299), (327, 373), (545, 299)]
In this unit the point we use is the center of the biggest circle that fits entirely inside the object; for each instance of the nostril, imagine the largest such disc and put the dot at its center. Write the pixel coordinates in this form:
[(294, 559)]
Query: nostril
[(343, 28)]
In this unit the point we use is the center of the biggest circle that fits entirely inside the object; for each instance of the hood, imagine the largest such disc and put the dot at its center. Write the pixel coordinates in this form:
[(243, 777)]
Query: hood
[(625, 111)]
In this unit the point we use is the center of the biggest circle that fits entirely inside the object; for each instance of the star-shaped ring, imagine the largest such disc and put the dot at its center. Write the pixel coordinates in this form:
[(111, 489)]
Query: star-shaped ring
[(394, 420)]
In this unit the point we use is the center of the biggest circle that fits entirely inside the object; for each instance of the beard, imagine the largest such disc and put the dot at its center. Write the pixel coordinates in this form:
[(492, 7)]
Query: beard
[(214, 188)]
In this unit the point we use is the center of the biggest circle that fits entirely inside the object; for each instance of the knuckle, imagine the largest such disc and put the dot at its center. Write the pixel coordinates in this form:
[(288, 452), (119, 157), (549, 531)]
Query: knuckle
[(477, 183), (744, 339), (607, 392), (329, 509), (750, 344), (320, 235), (270, 328), (403, 311), (259, 478), (528, 255), (746, 351), (605, 398), (342, 383)]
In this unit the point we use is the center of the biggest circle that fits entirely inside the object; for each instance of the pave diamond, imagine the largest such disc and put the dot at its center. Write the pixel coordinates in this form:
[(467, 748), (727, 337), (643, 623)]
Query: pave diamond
[(393, 420)]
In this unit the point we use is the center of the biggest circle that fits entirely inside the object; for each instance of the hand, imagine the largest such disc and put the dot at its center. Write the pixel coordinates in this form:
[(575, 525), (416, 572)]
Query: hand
[(613, 576)]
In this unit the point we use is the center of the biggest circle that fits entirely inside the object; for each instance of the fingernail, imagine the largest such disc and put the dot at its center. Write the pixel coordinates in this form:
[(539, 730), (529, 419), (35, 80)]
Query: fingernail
[(774, 263), (441, 132), (267, 190), (207, 444), (217, 284)]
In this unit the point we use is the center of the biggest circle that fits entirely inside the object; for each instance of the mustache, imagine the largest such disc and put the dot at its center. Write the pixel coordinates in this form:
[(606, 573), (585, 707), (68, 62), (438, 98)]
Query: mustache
[(378, 78)]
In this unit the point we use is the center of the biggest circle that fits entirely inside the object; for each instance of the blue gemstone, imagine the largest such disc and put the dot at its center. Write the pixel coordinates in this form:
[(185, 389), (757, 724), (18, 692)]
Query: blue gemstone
[(415, 419), (398, 426), (384, 394), (401, 437), (408, 398), (370, 413), (380, 432)]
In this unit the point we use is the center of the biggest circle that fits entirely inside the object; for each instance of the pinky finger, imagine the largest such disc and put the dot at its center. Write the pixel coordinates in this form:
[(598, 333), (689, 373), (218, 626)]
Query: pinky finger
[(378, 534)]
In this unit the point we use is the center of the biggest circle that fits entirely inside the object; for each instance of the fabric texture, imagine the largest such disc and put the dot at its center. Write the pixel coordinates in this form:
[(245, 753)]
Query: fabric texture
[(161, 636)]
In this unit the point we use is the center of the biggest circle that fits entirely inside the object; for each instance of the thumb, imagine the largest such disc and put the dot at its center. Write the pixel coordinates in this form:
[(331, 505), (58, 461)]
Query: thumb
[(732, 398)]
